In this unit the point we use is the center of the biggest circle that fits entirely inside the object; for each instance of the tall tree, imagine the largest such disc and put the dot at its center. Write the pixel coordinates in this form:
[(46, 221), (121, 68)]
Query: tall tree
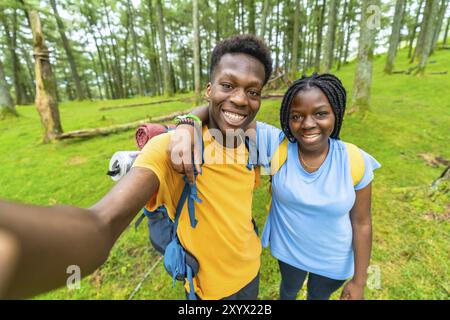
[(395, 36), (446, 30), (196, 45), (46, 102), (6, 101), (168, 87), (69, 52), (251, 16), (265, 13), (413, 31), (438, 23), (366, 44), (428, 35), (319, 25), (331, 37), (423, 31), (295, 40)]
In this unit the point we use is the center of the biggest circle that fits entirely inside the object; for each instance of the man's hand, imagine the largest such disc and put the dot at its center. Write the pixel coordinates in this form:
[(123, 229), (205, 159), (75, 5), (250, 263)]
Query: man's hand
[(184, 147), (353, 291)]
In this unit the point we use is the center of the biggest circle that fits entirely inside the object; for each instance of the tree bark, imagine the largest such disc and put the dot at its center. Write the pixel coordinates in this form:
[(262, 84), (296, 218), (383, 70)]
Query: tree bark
[(46, 102), (428, 35), (196, 47), (423, 30), (414, 30), (331, 37), (395, 36), (69, 52), (168, 88), (265, 13), (6, 101), (366, 45), (446, 31), (319, 25), (295, 36), (438, 24)]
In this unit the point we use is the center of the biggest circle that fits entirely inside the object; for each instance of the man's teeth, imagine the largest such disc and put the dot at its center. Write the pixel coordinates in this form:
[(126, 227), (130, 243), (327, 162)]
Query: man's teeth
[(233, 116)]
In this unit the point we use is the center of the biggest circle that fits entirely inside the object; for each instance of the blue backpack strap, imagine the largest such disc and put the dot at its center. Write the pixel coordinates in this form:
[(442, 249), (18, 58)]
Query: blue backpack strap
[(191, 283), (252, 155)]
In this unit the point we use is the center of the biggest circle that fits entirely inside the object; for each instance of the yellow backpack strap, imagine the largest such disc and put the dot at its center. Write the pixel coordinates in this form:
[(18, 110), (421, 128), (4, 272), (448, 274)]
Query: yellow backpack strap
[(356, 162), (279, 157)]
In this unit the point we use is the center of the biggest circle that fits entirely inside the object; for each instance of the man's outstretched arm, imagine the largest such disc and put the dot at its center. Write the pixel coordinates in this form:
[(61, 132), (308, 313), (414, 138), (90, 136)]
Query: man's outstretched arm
[(50, 239)]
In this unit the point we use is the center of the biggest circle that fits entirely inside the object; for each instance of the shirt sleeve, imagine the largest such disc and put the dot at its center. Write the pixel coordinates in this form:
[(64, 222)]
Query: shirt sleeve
[(370, 164), (268, 138), (154, 157)]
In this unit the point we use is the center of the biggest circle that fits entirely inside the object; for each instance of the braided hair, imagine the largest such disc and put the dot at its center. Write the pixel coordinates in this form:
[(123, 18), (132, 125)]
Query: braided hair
[(333, 89)]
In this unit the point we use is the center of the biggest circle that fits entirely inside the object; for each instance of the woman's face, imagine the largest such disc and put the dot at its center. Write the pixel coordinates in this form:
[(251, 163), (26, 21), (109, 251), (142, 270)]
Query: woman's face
[(311, 119)]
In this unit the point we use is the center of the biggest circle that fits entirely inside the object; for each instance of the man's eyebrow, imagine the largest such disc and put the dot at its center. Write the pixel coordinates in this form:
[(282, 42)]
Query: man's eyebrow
[(234, 78)]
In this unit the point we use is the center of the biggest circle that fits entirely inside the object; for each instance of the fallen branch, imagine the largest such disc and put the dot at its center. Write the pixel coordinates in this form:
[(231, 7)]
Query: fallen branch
[(439, 72), (273, 96), (85, 133), (144, 104)]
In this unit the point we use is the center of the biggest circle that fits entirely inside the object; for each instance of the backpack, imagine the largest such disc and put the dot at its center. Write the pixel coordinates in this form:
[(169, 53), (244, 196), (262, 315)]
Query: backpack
[(280, 156)]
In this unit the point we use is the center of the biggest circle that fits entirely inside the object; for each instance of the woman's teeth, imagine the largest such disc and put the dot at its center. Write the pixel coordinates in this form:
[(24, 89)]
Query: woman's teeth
[(233, 116), (310, 135)]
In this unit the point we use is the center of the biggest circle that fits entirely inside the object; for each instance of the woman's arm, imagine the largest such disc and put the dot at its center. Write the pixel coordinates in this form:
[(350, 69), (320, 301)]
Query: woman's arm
[(40, 243), (362, 243)]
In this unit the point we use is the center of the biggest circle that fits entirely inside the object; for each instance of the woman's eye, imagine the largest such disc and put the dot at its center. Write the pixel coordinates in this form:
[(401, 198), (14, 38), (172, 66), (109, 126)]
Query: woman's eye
[(321, 114), (295, 117)]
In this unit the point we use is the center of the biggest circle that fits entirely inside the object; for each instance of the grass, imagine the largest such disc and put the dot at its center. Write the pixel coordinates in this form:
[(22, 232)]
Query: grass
[(409, 115)]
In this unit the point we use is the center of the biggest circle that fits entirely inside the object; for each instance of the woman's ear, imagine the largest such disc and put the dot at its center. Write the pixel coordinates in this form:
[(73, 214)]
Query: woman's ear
[(208, 91)]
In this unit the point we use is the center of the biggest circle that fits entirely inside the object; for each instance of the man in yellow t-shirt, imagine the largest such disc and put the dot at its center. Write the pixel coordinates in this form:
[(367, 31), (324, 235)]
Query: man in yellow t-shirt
[(224, 241)]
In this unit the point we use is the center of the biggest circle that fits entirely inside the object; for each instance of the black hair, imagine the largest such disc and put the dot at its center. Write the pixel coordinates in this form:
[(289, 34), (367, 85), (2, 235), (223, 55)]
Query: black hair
[(333, 89), (246, 43)]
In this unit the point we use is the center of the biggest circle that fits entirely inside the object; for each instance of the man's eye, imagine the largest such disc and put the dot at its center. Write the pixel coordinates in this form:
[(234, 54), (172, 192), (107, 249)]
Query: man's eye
[(254, 93), (226, 85)]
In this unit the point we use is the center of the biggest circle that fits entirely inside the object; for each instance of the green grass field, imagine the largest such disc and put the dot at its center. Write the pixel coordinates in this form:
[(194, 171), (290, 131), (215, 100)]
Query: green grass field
[(409, 115)]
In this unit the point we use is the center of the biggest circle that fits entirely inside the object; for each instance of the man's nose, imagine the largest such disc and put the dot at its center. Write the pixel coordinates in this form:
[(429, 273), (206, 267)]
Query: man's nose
[(239, 98)]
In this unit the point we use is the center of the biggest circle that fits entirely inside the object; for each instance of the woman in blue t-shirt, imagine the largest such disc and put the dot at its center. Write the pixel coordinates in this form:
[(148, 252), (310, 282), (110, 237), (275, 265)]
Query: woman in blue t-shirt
[(319, 223)]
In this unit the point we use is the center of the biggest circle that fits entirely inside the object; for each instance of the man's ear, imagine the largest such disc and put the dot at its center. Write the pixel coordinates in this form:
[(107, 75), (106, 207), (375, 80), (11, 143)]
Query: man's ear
[(208, 91)]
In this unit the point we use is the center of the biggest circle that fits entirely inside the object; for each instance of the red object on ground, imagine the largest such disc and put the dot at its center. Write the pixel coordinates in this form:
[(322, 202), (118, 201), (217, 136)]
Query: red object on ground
[(149, 130)]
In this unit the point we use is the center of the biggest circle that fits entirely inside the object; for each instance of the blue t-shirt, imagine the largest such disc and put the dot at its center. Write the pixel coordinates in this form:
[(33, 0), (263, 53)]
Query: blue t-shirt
[(309, 223)]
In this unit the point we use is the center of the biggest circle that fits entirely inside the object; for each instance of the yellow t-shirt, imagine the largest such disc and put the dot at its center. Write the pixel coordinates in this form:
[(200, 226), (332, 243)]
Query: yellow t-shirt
[(224, 240)]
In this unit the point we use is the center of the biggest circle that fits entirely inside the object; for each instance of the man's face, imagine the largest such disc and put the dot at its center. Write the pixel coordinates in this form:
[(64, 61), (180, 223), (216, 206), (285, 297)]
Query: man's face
[(234, 94)]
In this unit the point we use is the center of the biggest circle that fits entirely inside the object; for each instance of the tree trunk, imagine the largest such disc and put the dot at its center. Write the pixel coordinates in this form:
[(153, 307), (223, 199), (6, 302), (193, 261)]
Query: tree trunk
[(196, 45), (6, 102), (320, 21), (414, 29), (428, 35), (350, 30), (342, 35), (135, 51), (251, 16), (366, 45), (46, 102), (423, 30), (446, 31), (168, 88), (265, 13), (277, 37), (295, 36), (331, 37), (438, 24), (68, 50), (395, 36)]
